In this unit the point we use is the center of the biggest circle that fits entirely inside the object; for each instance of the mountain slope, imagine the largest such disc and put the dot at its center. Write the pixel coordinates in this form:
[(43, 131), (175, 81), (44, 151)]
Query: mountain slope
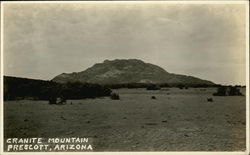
[(127, 71)]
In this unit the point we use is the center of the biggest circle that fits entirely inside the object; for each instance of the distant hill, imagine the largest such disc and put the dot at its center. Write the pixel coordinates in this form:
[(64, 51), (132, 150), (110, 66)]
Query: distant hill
[(121, 71), (23, 88)]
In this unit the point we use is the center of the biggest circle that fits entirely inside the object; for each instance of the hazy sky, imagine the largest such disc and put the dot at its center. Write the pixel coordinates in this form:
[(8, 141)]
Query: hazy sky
[(202, 40)]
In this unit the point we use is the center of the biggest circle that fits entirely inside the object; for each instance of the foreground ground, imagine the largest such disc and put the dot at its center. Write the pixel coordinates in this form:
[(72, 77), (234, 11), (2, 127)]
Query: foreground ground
[(177, 120)]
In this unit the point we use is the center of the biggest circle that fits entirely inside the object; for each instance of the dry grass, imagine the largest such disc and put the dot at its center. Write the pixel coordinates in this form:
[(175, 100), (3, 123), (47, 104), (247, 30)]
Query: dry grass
[(179, 120)]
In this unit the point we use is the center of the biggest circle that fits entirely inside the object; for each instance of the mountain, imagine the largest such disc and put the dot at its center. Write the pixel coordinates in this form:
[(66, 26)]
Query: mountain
[(121, 71)]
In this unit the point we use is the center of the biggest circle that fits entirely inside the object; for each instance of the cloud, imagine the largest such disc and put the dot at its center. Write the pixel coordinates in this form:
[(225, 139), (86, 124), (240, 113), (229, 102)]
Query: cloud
[(43, 40)]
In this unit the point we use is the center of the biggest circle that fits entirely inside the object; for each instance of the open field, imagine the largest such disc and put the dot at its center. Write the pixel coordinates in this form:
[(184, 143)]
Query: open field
[(177, 120)]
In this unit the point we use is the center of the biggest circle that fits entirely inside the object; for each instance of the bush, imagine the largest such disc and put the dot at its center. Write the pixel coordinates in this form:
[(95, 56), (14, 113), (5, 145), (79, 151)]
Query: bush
[(228, 91), (210, 99), (221, 91), (153, 97), (52, 100), (180, 86), (114, 96), (234, 91)]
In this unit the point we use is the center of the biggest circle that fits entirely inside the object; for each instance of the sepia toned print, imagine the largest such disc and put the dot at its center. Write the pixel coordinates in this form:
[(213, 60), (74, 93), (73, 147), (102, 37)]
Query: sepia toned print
[(124, 76)]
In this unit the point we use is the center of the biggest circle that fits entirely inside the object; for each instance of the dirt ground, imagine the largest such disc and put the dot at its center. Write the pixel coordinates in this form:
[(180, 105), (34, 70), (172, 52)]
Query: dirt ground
[(177, 120)]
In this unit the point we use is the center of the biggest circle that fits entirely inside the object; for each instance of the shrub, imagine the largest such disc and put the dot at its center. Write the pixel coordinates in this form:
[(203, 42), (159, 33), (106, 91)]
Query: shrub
[(234, 91), (114, 96), (153, 97), (52, 100), (221, 91), (228, 91), (180, 86), (210, 99)]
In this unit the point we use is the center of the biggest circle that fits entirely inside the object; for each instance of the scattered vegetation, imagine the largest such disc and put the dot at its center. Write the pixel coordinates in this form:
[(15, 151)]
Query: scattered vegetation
[(153, 97), (161, 85), (114, 96), (210, 99), (180, 86), (21, 88), (153, 87), (127, 85), (79, 90), (52, 100), (228, 91), (234, 91)]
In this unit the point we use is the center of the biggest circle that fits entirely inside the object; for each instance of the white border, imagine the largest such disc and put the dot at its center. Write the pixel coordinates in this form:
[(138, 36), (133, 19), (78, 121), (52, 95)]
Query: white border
[(143, 2), (246, 2), (1, 83), (247, 78)]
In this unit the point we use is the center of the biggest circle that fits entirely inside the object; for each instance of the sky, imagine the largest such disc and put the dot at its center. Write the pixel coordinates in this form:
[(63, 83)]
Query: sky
[(42, 40)]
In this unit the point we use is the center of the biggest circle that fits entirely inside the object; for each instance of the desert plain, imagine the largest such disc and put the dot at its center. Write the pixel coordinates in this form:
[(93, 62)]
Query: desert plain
[(176, 120)]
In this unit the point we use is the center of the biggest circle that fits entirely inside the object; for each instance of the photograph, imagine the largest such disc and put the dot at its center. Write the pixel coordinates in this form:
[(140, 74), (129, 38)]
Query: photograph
[(124, 76)]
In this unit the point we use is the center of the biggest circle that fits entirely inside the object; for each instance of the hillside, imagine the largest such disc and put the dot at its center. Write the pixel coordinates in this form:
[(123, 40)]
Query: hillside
[(16, 88), (121, 71)]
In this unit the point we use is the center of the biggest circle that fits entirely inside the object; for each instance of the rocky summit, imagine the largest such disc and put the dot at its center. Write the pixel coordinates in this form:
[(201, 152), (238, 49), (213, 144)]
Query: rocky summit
[(120, 71)]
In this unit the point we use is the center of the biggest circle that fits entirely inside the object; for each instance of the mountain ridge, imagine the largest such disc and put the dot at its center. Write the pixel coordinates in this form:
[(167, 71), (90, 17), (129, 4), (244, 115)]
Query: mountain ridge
[(120, 71)]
